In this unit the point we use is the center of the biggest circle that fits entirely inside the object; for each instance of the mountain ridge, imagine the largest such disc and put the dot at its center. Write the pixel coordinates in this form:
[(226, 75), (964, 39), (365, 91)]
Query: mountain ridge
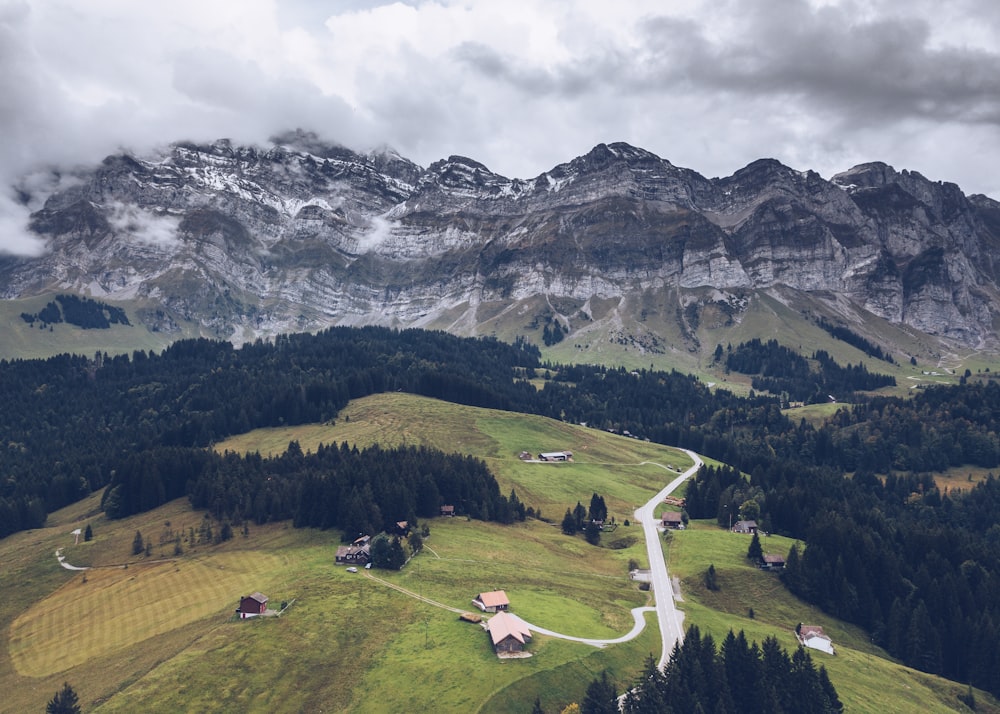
[(241, 242)]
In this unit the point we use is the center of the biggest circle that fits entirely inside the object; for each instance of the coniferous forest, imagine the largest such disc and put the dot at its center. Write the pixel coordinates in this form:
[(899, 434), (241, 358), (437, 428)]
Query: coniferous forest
[(884, 547), (738, 676)]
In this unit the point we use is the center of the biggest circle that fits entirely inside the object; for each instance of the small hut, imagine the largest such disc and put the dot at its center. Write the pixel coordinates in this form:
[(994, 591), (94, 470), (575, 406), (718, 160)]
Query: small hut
[(252, 605)]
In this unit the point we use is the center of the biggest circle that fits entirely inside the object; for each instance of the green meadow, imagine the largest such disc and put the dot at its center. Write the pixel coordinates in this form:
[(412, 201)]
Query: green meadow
[(157, 632), (867, 680)]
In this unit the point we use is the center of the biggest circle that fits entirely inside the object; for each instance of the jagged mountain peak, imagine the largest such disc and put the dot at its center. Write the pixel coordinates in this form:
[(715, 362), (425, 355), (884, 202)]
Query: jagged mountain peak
[(247, 241)]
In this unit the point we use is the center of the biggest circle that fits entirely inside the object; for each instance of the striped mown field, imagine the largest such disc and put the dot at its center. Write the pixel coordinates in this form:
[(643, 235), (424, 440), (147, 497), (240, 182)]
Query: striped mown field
[(108, 609)]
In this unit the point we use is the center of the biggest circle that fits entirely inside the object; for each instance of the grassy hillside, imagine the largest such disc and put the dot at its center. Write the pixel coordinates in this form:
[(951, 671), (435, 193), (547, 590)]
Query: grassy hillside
[(866, 679), (159, 635), (603, 463), (24, 341)]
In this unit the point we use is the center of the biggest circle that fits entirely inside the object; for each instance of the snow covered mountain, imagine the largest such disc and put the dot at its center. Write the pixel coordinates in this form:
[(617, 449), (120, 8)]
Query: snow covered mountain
[(246, 241)]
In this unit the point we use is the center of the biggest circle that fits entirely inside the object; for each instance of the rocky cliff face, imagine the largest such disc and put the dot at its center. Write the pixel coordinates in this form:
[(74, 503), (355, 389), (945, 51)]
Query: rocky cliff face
[(247, 241)]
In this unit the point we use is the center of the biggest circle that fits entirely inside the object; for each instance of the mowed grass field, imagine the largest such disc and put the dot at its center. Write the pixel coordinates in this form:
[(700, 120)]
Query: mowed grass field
[(108, 609)]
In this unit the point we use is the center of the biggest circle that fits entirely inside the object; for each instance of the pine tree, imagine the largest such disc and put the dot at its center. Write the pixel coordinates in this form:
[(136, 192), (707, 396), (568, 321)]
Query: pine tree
[(711, 579), (64, 702), (569, 523), (601, 697), (537, 707), (137, 545), (755, 553), (88, 533)]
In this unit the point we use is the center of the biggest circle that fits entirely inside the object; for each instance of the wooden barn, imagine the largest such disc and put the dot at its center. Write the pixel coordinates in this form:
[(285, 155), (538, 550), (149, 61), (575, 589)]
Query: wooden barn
[(252, 605), (672, 519), (508, 632)]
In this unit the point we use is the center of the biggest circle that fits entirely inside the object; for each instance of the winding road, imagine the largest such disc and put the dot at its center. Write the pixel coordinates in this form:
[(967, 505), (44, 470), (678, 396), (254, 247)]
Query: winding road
[(671, 631)]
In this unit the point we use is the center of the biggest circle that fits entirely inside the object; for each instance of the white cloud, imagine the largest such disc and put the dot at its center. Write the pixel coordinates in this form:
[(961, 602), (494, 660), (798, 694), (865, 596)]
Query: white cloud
[(520, 86), (145, 226)]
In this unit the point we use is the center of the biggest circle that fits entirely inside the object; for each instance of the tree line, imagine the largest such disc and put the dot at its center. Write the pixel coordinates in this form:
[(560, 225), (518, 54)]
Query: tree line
[(779, 370), (361, 492), (738, 676)]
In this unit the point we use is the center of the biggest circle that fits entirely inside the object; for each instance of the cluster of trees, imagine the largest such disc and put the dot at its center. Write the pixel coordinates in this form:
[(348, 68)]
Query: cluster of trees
[(844, 334), (779, 370), (359, 491), (587, 520), (553, 332), (80, 311), (916, 568), (390, 553), (739, 677)]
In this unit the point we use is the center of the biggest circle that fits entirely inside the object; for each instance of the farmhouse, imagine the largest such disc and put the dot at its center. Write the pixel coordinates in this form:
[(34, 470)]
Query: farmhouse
[(509, 633), (495, 601), (252, 605), (447, 510), (772, 562), (671, 519), (358, 553), (749, 527), (556, 456), (813, 636)]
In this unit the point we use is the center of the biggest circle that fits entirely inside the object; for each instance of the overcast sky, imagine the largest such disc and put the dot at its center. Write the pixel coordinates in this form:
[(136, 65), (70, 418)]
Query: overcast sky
[(520, 85)]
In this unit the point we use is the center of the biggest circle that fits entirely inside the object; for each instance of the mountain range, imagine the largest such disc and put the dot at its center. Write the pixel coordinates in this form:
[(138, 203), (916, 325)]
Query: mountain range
[(617, 246)]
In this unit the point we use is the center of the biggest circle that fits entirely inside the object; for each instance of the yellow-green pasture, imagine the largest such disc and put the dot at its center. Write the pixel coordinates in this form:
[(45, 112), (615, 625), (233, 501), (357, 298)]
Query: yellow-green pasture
[(160, 635), (622, 470), (109, 609)]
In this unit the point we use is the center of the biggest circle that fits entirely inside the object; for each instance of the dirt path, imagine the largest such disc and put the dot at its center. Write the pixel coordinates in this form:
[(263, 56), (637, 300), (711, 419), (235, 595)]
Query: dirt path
[(62, 561)]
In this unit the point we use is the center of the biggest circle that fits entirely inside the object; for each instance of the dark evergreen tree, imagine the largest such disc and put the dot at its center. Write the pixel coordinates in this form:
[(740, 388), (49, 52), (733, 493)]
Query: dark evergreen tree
[(592, 532), (755, 553), (137, 544), (397, 555), (711, 579), (601, 697), (569, 523), (88, 533), (65, 701), (381, 552), (598, 509)]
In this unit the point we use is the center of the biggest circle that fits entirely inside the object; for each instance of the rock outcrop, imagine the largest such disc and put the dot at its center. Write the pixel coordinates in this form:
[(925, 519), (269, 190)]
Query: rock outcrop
[(248, 241)]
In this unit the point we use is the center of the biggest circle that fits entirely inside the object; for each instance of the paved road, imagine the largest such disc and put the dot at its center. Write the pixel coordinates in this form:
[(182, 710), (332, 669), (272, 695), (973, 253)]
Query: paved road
[(671, 631), (638, 615)]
